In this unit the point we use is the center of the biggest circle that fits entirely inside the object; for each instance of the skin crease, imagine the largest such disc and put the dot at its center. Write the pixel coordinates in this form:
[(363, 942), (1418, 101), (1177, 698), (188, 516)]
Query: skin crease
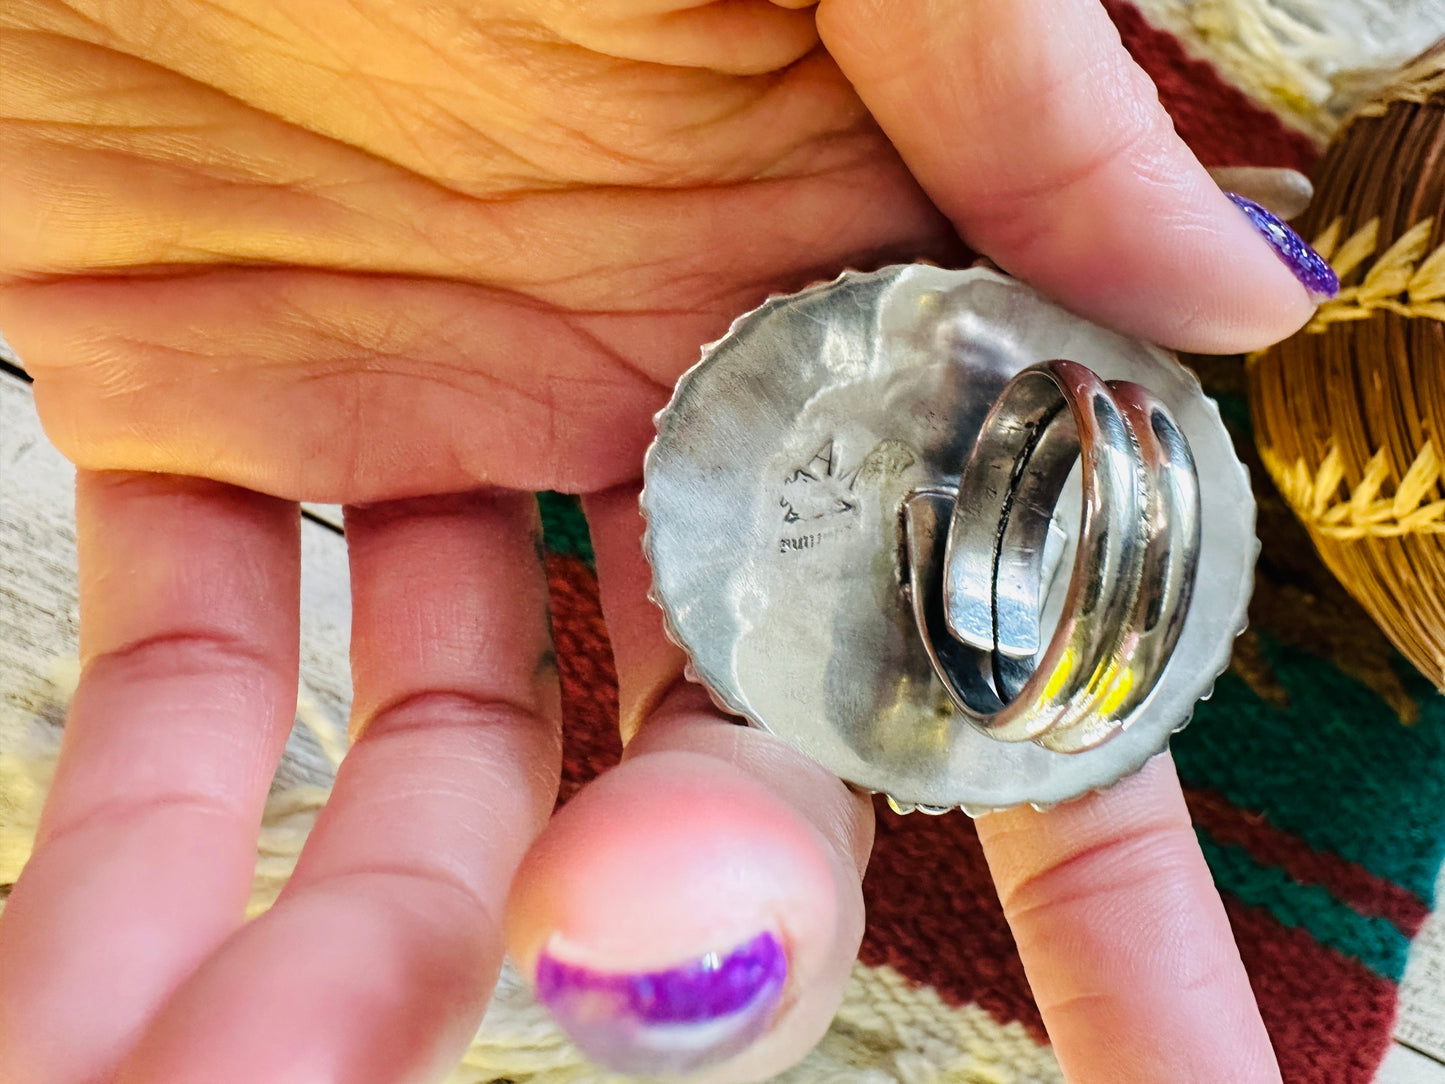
[(396, 250)]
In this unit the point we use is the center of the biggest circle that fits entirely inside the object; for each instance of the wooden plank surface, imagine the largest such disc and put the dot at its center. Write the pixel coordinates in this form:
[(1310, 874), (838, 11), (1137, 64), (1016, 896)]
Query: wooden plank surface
[(38, 610)]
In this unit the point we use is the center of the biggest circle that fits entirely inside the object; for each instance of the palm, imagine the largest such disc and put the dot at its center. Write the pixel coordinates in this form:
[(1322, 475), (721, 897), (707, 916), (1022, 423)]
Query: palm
[(399, 283)]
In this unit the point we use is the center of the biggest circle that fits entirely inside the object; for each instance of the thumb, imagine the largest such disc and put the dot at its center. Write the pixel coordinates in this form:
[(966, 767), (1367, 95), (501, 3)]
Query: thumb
[(1031, 127)]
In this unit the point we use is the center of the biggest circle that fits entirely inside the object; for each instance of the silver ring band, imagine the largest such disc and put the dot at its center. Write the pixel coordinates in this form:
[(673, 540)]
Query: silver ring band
[(977, 602)]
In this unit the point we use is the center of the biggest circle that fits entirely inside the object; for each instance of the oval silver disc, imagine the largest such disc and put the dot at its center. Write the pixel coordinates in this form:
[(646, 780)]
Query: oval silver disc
[(773, 496)]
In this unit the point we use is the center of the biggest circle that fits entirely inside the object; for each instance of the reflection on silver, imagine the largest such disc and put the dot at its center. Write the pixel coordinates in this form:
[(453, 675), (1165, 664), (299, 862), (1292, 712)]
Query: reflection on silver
[(1133, 568), (1169, 533), (858, 556)]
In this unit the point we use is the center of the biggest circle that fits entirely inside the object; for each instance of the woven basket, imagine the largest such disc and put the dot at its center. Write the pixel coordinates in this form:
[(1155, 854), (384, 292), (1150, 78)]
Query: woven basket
[(1350, 413)]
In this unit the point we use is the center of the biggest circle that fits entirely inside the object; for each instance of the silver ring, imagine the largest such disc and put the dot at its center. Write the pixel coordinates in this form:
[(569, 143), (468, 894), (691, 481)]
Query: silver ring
[(799, 499), (1138, 546)]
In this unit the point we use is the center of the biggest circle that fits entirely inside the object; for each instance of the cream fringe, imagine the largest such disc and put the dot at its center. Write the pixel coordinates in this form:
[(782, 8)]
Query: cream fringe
[(1311, 62)]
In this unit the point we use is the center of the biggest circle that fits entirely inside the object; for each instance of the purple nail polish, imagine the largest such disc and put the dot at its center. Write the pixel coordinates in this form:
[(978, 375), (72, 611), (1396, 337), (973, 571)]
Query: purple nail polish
[(1307, 265), (668, 1021)]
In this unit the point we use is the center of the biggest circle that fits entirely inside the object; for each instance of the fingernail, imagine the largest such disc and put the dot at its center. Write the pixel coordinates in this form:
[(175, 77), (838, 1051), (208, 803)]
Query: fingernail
[(1282, 192), (669, 1021), (1306, 264)]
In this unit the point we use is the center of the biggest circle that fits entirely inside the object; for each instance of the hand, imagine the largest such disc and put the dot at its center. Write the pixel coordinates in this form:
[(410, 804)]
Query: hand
[(417, 258)]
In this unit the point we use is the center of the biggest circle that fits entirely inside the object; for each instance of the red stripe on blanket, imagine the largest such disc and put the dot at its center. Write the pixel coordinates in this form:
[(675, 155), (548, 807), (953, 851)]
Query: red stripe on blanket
[(1218, 121), (1329, 1016), (1271, 846), (584, 666), (933, 916)]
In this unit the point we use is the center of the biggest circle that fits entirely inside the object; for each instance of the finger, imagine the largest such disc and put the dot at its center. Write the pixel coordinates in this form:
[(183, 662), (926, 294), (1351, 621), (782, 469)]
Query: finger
[(189, 593), (1034, 131), (377, 960), (697, 908), (1124, 938)]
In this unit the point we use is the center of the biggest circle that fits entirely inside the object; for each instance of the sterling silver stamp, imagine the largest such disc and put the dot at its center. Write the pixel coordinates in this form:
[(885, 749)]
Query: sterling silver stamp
[(957, 544)]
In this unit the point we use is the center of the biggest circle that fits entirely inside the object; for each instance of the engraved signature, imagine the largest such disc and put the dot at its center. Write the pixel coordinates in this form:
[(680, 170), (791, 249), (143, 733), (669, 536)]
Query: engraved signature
[(802, 542), (824, 487), (819, 487)]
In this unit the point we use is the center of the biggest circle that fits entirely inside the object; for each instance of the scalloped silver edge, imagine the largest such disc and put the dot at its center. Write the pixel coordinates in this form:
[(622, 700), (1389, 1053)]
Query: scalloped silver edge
[(721, 702)]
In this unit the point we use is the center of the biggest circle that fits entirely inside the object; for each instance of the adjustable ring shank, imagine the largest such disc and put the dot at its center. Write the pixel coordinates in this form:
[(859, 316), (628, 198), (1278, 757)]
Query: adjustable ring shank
[(1171, 532), (1138, 546)]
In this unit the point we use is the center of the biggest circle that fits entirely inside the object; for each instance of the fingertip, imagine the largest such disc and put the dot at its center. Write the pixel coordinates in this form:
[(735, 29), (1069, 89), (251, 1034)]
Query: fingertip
[(593, 874), (1180, 265), (1307, 266), (709, 847), (1148, 244), (1052, 155), (686, 721), (679, 916)]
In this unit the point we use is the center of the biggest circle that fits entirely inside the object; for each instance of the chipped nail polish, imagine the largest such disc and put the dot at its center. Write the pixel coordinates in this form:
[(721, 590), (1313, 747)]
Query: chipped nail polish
[(668, 1021), (1307, 265)]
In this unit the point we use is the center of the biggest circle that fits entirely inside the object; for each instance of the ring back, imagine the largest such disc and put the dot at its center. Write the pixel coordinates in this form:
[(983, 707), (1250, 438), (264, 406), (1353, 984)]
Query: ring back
[(811, 463)]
